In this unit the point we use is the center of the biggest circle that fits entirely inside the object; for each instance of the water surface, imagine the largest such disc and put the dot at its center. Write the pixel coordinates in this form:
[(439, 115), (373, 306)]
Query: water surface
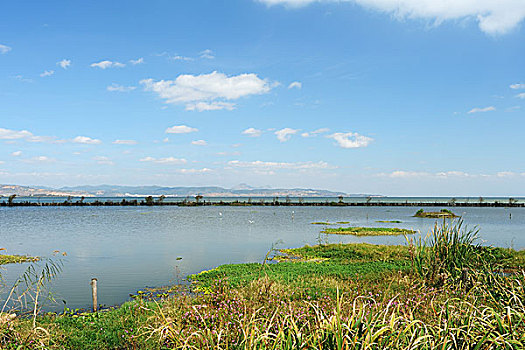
[(129, 248)]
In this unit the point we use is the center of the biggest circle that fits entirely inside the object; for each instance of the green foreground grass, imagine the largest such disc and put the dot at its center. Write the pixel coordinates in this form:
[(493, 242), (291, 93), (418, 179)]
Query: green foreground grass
[(427, 295), (368, 231)]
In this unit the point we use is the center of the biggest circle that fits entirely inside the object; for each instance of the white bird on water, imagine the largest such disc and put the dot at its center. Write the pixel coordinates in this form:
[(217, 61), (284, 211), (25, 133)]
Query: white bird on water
[(220, 214), (251, 221)]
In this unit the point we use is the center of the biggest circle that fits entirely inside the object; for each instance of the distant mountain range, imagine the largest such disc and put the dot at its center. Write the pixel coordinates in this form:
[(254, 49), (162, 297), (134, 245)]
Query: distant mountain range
[(241, 190)]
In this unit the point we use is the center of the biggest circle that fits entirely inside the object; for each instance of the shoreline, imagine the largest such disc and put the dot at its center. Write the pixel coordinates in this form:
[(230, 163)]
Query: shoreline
[(260, 203)]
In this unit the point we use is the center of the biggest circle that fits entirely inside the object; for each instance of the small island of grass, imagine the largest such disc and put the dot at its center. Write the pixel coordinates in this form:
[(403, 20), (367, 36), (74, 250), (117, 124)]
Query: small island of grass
[(444, 213), (322, 223), (390, 221), (16, 259), (368, 231)]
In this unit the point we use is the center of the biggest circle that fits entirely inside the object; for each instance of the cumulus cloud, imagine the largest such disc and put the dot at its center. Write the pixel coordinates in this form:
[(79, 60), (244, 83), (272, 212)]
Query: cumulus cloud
[(517, 86), (12, 135), (4, 49), (199, 143), (207, 91), (169, 160), (485, 109), (493, 17), (207, 54), (47, 73), (350, 139), (521, 95), (280, 165), (296, 85), (86, 140), (137, 61), (285, 134), (125, 142), (107, 64), (252, 132), (180, 129), (120, 88), (64, 63), (16, 153)]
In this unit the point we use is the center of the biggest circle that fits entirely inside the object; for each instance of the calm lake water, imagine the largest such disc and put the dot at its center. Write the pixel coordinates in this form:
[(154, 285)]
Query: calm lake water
[(129, 248)]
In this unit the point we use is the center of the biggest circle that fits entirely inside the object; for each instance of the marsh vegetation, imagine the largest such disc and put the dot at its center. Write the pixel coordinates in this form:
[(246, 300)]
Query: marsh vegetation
[(368, 231), (442, 214)]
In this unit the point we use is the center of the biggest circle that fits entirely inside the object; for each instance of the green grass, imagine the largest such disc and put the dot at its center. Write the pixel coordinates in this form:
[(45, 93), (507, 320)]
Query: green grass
[(304, 267), (15, 259), (322, 223), (368, 231), (390, 221)]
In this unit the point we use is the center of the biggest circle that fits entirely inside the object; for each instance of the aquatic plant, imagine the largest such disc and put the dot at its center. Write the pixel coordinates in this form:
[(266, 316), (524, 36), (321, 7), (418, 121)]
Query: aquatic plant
[(368, 231)]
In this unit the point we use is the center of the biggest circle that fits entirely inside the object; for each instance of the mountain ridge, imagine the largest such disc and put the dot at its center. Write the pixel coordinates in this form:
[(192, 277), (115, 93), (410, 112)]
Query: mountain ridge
[(242, 190)]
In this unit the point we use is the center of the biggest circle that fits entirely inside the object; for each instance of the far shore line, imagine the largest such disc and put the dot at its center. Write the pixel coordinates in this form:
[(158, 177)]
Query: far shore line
[(149, 202)]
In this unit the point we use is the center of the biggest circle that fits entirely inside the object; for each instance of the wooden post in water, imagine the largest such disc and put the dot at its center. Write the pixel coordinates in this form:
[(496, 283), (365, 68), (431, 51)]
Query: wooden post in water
[(94, 292)]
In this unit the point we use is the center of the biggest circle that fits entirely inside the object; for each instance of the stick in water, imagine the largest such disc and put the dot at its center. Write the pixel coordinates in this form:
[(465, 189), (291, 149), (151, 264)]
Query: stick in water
[(94, 290)]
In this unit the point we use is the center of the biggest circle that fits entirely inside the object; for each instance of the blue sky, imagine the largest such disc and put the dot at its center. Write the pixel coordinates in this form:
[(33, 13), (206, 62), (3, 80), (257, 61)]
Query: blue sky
[(362, 96)]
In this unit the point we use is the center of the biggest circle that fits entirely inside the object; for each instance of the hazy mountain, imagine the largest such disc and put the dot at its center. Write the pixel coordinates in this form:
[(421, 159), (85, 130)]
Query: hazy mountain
[(242, 190)]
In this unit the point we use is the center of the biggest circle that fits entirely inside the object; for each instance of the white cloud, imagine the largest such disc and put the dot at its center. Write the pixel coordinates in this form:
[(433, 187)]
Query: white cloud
[(252, 132), (350, 139), (86, 140), (315, 132), (180, 58), (103, 160), (47, 73), (213, 106), (169, 160), (11, 135), (295, 84), (199, 143), (194, 171), (125, 142), (43, 159), (180, 129), (280, 165), (478, 110), (285, 134), (22, 79), (107, 64), (521, 95), (208, 89), (4, 49), (137, 61), (16, 153), (517, 86), (120, 88), (207, 54), (64, 63), (444, 174), (493, 17)]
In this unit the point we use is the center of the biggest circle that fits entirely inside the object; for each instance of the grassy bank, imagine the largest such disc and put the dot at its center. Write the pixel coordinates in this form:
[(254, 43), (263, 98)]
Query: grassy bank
[(443, 293), (368, 231)]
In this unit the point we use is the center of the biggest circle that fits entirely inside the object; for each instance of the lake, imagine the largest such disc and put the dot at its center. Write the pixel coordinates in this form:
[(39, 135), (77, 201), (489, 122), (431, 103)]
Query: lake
[(129, 248)]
